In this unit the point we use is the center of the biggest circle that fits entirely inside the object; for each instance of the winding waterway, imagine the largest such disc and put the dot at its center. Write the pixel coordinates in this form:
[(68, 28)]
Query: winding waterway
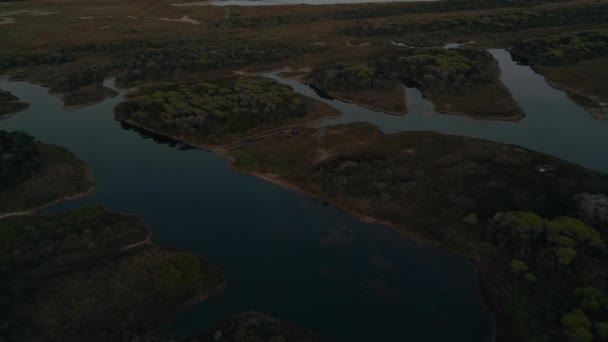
[(291, 256)]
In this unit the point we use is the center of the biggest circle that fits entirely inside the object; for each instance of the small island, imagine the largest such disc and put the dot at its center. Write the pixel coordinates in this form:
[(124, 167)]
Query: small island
[(86, 96), (461, 81), (10, 104), (514, 212), (93, 275), (222, 113), (34, 174)]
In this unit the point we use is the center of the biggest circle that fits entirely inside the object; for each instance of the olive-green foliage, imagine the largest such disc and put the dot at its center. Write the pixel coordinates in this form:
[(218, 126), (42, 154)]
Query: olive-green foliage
[(132, 61), (562, 49), (435, 70), (471, 219), (518, 266), (18, 157), (495, 23), (209, 112), (557, 274), (576, 326)]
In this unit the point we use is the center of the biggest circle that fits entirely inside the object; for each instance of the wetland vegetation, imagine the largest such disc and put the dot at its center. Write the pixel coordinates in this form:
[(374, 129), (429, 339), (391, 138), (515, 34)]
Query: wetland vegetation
[(92, 274), (454, 79)]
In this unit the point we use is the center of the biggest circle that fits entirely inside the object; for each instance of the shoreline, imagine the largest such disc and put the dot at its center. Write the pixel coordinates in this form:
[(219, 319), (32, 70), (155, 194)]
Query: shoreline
[(300, 78), (596, 112), (66, 198), (250, 138), (473, 260), (9, 114)]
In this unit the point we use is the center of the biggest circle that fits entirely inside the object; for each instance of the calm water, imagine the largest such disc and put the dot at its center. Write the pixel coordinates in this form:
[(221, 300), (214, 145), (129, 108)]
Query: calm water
[(286, 254)]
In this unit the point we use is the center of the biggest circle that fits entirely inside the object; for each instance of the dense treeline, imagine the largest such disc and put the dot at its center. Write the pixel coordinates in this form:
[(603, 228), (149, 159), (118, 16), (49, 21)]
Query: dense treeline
[(490, 23), (143, 60), (551, 276), (562, 49), (209, 112), (18, 157), (375, 11), (434, 69)]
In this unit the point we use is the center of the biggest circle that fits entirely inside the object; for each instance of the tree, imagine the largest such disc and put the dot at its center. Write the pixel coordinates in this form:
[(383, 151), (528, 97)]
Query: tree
[(518, 266), (576, 326)]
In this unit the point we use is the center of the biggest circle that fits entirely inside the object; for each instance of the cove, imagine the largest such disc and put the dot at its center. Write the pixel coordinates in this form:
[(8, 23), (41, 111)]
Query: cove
[(286, 254)]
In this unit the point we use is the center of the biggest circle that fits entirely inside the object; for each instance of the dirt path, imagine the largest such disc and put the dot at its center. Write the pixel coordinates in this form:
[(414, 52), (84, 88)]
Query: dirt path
[(137, 244)]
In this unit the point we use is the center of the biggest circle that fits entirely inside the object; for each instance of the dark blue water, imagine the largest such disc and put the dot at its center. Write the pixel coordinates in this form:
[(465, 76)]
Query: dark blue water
[(286, 254)]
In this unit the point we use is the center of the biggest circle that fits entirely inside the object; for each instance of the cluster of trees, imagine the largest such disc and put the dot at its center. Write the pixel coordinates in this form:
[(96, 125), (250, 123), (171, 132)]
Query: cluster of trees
[(18, 157), (552, 275), (349, 77), (209, 112), (376, 11), (15, 61), (494, 23), (562, 49), (433, 69), (156, 63), (144, 60), (366, 176)]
